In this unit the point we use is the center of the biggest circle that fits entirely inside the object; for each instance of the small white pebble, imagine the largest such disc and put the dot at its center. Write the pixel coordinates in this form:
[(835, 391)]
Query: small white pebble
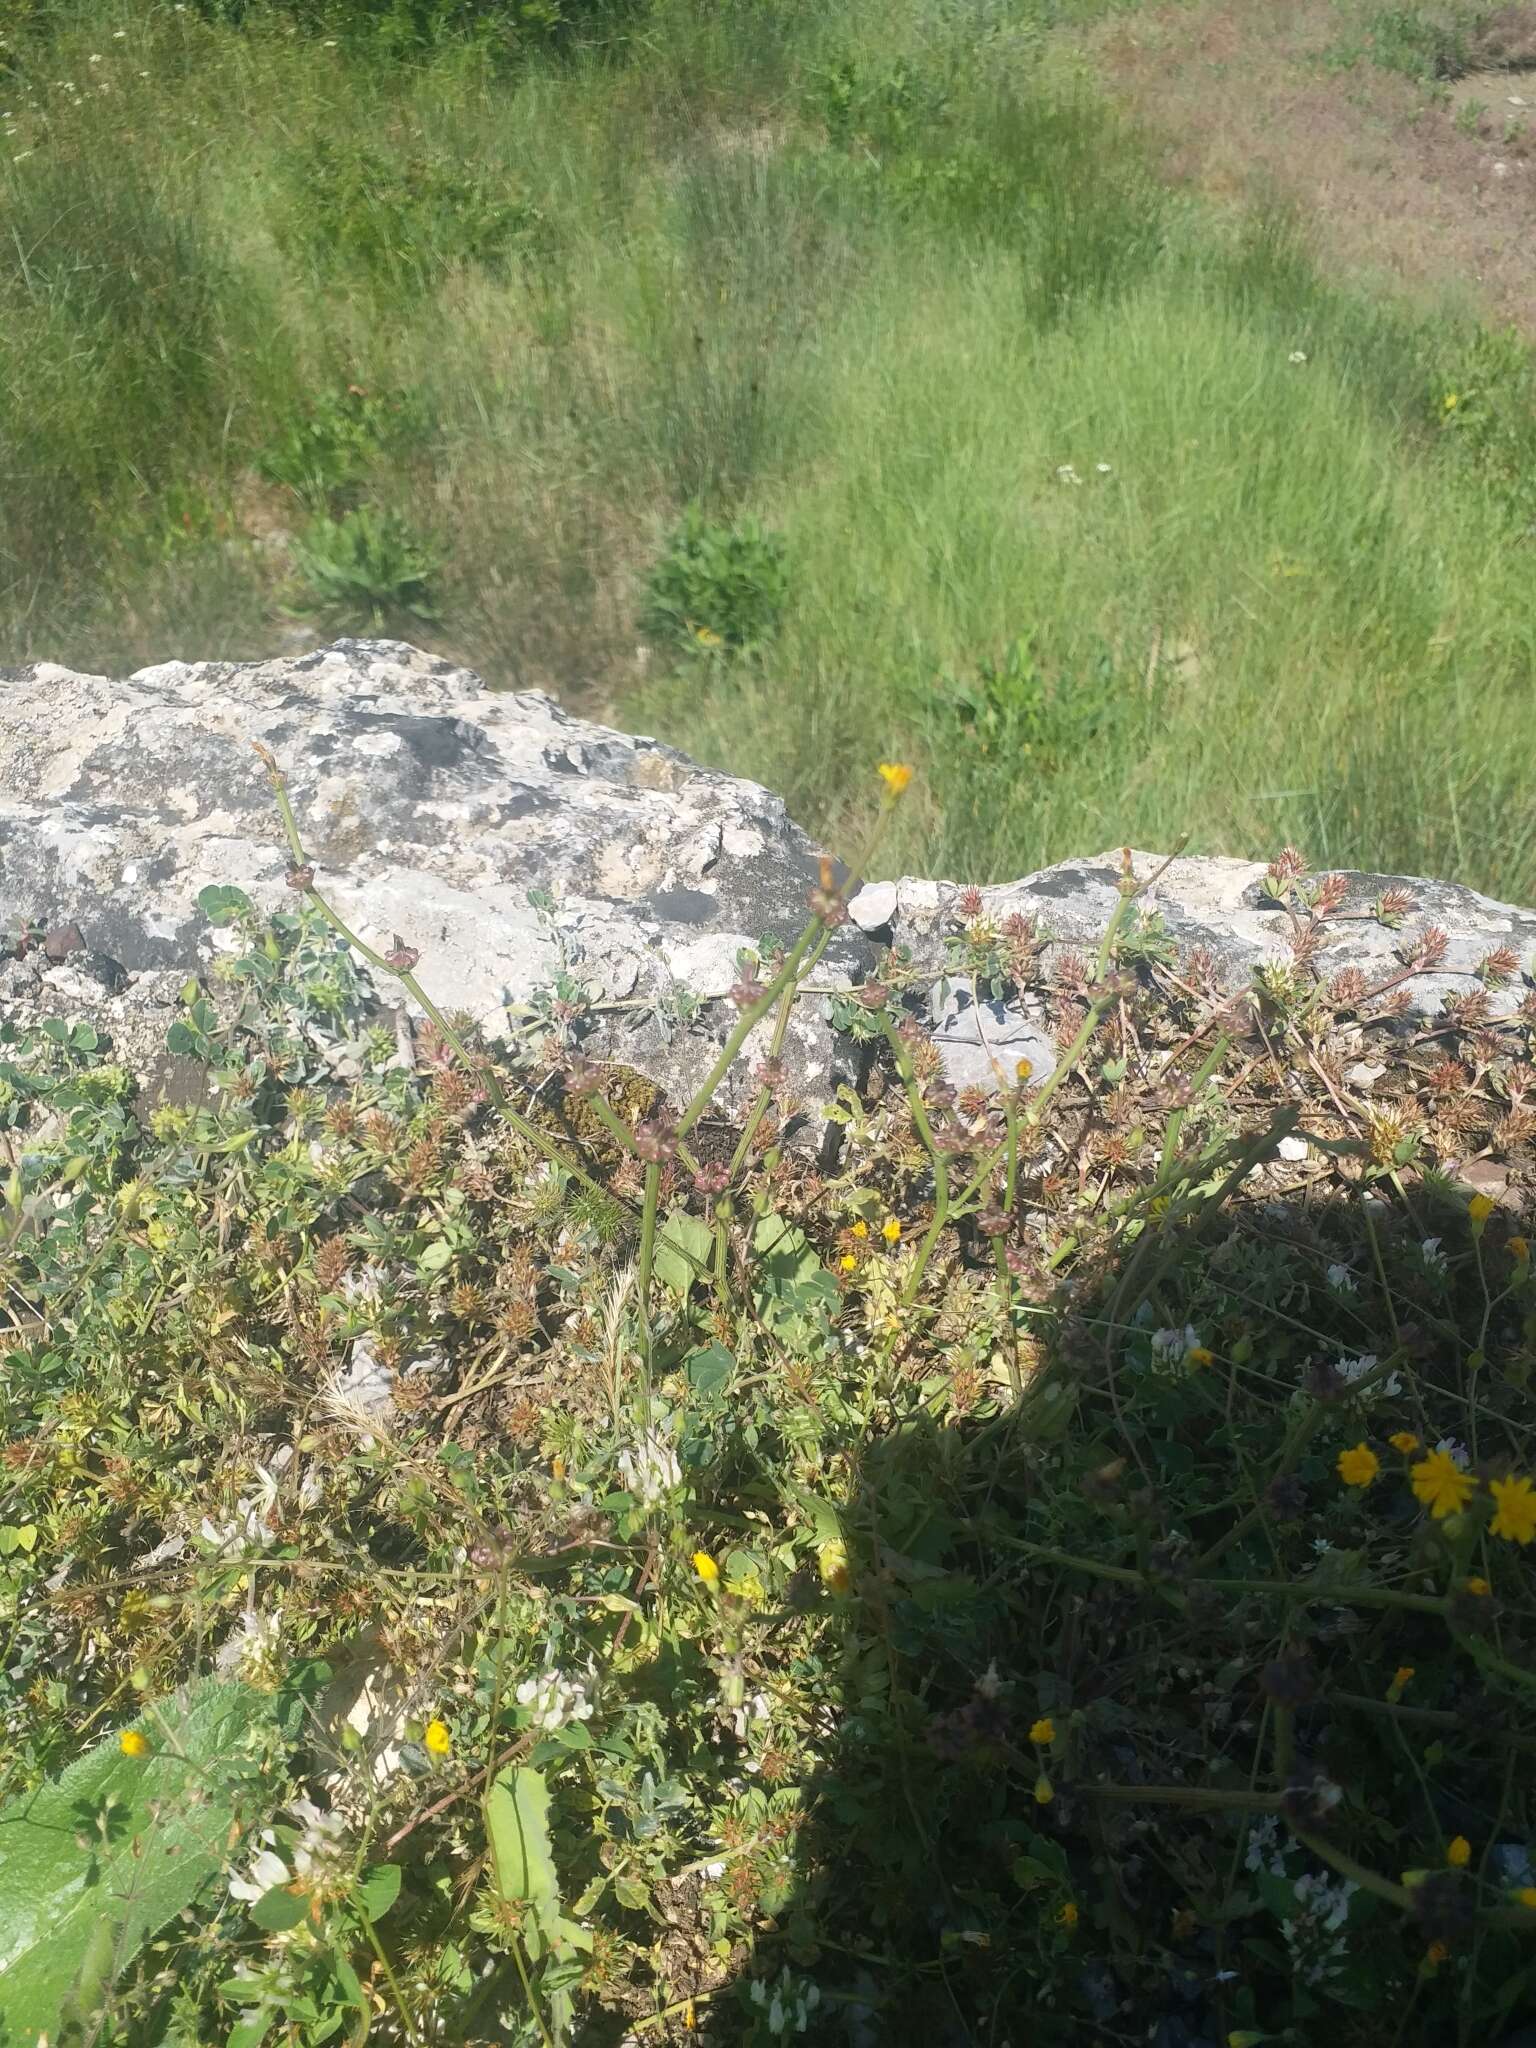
[(1293, 1148)]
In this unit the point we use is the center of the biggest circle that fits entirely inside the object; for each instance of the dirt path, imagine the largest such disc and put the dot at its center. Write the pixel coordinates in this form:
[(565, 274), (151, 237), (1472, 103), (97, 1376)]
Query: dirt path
[(1428, 190)]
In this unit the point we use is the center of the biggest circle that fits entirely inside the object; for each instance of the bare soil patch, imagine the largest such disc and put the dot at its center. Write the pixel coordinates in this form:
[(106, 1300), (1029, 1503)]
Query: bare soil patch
[(1248, 103)]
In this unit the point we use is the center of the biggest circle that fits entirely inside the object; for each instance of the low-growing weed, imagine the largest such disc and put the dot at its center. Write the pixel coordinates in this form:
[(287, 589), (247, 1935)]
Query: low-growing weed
[(717, 588), (366, 566)]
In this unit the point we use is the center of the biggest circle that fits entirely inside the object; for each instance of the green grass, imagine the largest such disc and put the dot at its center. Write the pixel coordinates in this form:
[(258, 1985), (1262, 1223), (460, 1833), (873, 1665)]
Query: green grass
[(873, 277)]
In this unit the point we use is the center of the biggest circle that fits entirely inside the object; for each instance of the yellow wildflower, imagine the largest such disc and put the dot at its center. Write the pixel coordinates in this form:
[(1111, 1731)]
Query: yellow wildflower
[(707, 636), (1450, 401), (861, 1228), (1519, 1249), (1480, 1208), (133, 1744), (1515, 1502), (1479, 1588), (706, 1567), (1043, 1731), (1440, 1485), (1359, 1466), (1437, 1953), (895, 775), (832, 1558), (1405, 1441), (1023, 1069), (1045, 1791), (1067, 1917), (1458, 1852), (1197, 1355), (890, 1230), (848, 1262), (557, 1468), (1526, 1896), (436, 1740), (1402, 1674)]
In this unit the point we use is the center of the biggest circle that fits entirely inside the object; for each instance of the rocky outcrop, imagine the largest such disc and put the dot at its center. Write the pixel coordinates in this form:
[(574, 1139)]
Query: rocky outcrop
[(511, 843)]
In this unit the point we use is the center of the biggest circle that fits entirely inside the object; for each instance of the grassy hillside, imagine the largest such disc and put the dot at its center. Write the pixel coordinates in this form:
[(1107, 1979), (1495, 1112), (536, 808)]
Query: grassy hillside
[(1099, 504)]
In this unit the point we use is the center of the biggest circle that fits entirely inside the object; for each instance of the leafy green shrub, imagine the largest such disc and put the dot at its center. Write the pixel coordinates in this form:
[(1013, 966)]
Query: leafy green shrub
[(401, 217), (328, 454), (717, 587), (399, 27), (1422, 42), (366, 566)]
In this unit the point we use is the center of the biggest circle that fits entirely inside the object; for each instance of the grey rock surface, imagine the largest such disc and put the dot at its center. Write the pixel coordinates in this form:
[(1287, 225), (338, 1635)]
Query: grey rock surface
[(432, 807)]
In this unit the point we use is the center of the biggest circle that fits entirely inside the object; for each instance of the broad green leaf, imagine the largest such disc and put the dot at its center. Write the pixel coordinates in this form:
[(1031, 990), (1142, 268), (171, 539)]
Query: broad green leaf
[(222, 903), (379, 1889), (711, 1371), (683, 1247), (517, 1827), (137, 1867)]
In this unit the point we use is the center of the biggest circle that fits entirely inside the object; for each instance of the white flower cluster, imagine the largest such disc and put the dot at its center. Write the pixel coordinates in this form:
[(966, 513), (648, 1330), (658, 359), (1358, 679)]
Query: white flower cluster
[(1352, 1369), (1170, 1347), (789, 2003), (319, 1855), (553, 1699), (1315, 1937), (650, 1469)]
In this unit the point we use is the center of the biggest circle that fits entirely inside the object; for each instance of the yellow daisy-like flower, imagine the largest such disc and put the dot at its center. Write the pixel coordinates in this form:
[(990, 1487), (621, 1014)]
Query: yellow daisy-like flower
[(861, 1228), (1023, 1069), (890, 1230), (706, 1567), (848, 1263), (1043, 1731), (1437, 1953), (1358, 1466), (557, 1468), (1458, 1852), (1526, 1896), (1440, 1485), (1404, 1440), (1450, 401), (1068, 1916), (436, 1740), (1197, 1355), (1515, 1504), (133, 1744), (1402, 1674), (1478, 1588), (1480, 1208), (1519, 1249), (895, 775)]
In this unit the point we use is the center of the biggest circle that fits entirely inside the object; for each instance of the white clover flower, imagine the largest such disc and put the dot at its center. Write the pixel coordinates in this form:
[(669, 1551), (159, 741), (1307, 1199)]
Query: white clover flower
[(650, 1470), (254, 1649), (1342, 1280), (789, 2002), (1432, 1255), (1456, 1452), (1175, 1343), (1066, 474), (1352, 1369), (318, 1853), (266, 1869), (1265, 1850), (553, 1699), (1297, 355)]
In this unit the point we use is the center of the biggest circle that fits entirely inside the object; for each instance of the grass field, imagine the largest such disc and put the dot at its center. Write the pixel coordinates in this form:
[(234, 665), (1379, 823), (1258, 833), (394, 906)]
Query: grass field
[(1111, 508)]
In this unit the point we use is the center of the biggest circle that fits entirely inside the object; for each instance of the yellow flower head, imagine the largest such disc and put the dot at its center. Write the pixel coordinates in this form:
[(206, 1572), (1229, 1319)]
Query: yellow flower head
[(1402, 1674), (848, 1263), (1045, 1791), (133, 1744), (1440, 1485), (1480, 1208), (1043, 1731), (557, 1468), (1478, 1588), (1067, 1917), (1514, 1502), (895, 775), (1526, 1896), (1359, 1466), (436, 1740), (1450, 401), (706, 636), (706, 1567), (1458, 1852), (1023, 1069), (1519, 1249), (1405, 1441), (832, 1558), (890, 1230), (1437, 1953), (1197, 1355), (861, 1228)]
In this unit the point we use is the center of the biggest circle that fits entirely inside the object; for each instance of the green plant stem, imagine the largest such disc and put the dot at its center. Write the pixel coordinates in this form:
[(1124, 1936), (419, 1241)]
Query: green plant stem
[(407, 2017)]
